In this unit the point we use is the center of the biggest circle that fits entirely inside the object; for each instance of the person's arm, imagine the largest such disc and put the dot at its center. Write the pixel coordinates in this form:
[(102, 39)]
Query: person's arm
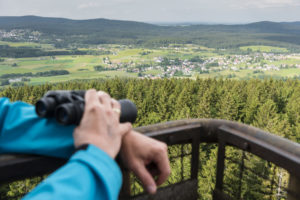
[(147, 158), (34, 135), (22, 131), (89, 174)]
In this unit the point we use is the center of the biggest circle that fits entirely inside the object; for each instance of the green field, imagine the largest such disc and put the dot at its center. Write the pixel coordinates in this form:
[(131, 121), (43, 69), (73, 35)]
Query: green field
[(28, 44), (81, 75), (243, 74), (267, 49), (123, 60)]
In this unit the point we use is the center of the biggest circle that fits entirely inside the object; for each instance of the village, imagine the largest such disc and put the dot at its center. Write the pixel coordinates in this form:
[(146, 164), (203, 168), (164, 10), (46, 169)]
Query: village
[(255, 62), (20, 35)]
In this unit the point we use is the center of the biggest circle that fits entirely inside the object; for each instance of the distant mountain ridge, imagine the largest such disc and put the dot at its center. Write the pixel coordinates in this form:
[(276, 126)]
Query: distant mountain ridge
[(31, 19), (57, 24), (117, 31), (41, 23)]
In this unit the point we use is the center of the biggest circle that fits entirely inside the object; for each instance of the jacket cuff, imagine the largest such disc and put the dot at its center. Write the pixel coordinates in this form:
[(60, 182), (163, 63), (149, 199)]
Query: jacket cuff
[(102, 165)]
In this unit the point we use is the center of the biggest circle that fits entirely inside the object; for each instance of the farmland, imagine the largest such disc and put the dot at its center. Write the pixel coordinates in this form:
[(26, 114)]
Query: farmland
[(173, 61)]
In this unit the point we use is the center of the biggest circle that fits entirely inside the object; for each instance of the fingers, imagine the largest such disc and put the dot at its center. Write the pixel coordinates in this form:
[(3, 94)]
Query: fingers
[(105, 99), (110, 103), (116, 108), (92, 104), (162, 161), (147, 180), (100, 123), (125, 128), (91, 98), (115, 104)]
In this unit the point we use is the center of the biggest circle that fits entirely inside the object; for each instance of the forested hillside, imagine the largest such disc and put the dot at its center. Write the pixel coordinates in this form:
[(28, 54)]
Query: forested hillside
[(65, 32), (271, 105)]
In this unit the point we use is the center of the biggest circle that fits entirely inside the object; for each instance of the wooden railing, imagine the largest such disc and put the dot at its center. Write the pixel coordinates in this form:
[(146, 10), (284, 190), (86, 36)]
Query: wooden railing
[(185, 138)]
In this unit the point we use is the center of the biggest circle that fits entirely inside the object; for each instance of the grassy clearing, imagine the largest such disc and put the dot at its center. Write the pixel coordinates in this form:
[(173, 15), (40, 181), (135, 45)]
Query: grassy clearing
[(153, 72), (40, 64), (291, 61), (81, 75), (285, 72), (267, 49), (28, 44), (241, 74)]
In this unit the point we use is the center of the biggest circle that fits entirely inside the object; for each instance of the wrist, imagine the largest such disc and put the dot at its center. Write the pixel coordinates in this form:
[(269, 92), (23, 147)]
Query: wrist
[(81, 147), (129, 137)]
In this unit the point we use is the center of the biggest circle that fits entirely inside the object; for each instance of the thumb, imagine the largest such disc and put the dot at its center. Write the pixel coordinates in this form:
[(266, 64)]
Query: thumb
[(145, 177), (125, 128)]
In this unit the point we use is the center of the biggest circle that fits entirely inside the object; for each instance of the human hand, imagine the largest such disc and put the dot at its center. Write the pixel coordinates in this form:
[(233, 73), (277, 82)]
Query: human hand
[(139, 153), (100, 124)]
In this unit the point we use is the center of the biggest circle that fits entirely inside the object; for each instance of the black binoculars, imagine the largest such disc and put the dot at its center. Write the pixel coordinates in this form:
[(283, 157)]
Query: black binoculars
[(68, 107)]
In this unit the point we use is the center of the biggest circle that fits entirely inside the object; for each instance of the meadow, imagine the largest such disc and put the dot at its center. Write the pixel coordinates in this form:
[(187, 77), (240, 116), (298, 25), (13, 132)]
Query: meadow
[(262, 48), (134, 61)]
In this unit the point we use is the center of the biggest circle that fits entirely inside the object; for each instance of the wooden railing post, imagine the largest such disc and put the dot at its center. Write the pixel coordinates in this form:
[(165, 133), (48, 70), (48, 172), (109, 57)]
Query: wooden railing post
[(126, 186), (294, 188)]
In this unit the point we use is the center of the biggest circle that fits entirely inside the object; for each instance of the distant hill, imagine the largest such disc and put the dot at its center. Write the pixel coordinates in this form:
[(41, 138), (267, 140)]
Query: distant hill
[(97, 31), (59, 25), (68, 26)]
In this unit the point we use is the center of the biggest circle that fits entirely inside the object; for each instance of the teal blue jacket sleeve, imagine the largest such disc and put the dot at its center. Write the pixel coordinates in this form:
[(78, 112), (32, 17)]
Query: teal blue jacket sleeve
[(22, 131), (89, 174)]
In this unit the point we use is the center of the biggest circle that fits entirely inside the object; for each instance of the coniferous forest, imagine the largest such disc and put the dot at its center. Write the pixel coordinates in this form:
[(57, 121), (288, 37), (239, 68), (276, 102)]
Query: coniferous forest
[(271, 105)]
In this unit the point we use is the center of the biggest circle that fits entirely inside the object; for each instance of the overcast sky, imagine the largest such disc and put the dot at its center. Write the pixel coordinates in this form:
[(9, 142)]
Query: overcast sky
[(204, 11)]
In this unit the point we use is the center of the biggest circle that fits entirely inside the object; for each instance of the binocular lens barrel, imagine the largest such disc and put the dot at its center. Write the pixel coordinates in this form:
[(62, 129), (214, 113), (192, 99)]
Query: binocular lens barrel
[(128, 111), (69, 113), (45, 107), (62, 116), (68, 107)]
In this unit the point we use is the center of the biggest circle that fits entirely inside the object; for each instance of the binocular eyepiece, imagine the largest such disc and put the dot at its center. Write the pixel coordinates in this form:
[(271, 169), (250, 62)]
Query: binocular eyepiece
[(68, 106)]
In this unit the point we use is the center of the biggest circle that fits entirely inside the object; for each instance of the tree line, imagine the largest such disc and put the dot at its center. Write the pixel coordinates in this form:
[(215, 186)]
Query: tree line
[(38, 74), (23, 52)]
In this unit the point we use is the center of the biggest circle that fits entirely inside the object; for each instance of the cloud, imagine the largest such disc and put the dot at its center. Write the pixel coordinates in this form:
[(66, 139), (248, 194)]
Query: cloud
[(158, 10), (261, 4)]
